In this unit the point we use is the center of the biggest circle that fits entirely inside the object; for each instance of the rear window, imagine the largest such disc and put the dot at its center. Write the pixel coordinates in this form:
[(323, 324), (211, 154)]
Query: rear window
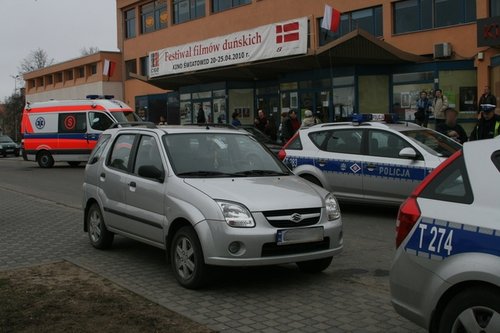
[(345, 141), (452, 184), (433, 142), (495, 158), (294, 143)]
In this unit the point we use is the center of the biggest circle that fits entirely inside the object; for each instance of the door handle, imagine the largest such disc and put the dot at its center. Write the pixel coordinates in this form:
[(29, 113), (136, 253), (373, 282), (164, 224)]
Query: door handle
[(322, 162), (370, 166), (102, 177), (132, 184)]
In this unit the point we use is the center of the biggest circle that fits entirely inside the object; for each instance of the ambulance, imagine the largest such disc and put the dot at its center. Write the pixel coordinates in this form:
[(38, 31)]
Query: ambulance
[(68, 130)]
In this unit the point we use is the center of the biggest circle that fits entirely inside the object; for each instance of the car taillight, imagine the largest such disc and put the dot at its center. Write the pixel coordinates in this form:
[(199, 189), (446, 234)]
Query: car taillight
[(409, 212), (282, 154)]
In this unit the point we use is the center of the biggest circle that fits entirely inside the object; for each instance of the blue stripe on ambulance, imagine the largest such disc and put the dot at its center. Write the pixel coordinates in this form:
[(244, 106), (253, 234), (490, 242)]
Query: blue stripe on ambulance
[(437, 239), (384, 170), (77, 136)]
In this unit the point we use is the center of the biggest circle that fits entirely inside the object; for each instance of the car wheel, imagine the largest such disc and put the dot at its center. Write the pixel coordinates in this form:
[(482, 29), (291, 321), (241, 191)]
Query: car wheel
[(186, 258), (74, 164), (312, 179), (100, 237), (315, 266), (473, 310), (45, 159)]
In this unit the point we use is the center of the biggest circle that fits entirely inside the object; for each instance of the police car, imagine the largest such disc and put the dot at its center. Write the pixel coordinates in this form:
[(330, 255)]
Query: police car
[(366, 160), (446, 273)]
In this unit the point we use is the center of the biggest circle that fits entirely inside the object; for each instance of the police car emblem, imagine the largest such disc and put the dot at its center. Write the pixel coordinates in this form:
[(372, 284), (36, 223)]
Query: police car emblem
[(355, 168), (40, 122), (296, 217), (343, 167)]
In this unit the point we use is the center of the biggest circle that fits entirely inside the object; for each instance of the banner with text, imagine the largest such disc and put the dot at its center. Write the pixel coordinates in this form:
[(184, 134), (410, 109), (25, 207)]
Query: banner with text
[(265, 42)]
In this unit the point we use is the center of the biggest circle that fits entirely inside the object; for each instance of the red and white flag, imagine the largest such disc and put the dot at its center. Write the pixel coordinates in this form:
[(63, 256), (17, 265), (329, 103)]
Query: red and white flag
[(288, 32), (331, 19), (108, 68)]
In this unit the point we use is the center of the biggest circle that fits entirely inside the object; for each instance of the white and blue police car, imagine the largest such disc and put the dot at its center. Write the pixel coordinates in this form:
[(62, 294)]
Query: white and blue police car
[(445, 275), (374, 158)]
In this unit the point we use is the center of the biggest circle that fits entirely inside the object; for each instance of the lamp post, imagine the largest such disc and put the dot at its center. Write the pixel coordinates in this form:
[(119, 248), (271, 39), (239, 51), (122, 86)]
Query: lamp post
[(15, 77)]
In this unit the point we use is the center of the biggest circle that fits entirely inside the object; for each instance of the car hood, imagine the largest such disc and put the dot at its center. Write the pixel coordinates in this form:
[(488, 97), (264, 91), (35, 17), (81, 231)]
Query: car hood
[(262, 193)]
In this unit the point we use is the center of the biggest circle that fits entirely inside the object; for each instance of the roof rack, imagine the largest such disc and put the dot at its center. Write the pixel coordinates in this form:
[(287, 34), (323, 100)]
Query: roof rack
[(208, 125), (146, 124)]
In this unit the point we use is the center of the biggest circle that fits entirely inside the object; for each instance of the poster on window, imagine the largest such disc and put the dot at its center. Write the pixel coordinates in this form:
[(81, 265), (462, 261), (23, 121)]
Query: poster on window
[(265, 42)]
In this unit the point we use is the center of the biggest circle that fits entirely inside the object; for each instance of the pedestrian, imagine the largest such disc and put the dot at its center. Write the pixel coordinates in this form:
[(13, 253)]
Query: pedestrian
[(309, 120), (451, 128), (290, 126), (261, 121), (283, 117), (486, 98), (270, 129), (488, 125), (200, 118), (236, 122), (162, 121), (142, 114), (423, 109), (439, 105)]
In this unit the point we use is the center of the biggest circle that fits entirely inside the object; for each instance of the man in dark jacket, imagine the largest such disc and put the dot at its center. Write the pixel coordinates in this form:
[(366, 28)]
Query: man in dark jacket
[(486, 98), (488, 126), (290, 126), (450, 127)]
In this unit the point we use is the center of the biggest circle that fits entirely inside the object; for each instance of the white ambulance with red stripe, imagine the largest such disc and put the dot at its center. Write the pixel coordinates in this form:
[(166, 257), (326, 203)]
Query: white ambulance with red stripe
[(68, 130)]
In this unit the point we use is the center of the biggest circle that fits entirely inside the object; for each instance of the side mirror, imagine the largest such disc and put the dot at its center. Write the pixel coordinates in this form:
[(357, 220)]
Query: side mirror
[(408, 152), (151, 172)]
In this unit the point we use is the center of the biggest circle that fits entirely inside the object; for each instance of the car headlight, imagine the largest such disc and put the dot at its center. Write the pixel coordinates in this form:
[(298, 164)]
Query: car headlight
[(236, 215), (332, 207)]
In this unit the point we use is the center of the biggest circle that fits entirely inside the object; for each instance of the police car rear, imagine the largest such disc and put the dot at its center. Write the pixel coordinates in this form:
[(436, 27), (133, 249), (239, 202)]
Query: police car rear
[(446, 272), (374, 161)]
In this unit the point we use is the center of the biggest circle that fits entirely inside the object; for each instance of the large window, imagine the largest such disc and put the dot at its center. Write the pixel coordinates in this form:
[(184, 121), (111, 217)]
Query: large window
[(154, 16), (144, 66), (130, 23), (369, 19), (219, 5), (130, 67), (415, 15), (494, 8), (185, 10)]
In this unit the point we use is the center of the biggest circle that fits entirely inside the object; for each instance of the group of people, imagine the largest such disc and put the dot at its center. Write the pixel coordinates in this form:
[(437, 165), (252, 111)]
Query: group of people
[(487, 126)]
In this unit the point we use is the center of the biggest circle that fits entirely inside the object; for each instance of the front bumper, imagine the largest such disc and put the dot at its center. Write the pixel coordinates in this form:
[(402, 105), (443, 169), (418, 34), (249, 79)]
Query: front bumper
[(258, 244)]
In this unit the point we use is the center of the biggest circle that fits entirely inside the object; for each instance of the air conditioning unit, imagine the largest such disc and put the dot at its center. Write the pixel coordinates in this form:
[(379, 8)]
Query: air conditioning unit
[(442, 50)]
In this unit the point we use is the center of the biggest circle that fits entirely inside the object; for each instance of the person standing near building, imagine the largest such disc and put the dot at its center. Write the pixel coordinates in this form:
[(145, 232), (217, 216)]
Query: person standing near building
[(423, 109), (290, 126), (488, 125), (261, 121), (162, 121), (236, 122), (309, 120), (200, 118), (451, 128), (439, 105), (486, 98)]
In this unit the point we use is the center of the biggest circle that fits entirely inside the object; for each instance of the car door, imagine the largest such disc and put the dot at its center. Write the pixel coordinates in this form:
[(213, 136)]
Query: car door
[(114, 179), (145, 191), (98, 122), (339, 158), (386, 175)]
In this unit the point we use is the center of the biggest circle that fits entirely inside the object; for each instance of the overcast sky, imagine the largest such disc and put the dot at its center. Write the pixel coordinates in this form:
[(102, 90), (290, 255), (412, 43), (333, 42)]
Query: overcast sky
[(60, 27)]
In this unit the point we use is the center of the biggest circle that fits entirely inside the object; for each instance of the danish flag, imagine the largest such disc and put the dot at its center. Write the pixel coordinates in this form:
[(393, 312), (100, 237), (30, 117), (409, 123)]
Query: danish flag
[(288, 32)]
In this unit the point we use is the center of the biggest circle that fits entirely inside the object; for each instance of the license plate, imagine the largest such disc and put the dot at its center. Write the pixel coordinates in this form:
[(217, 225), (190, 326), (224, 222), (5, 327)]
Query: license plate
[(10, 150), (302, 235)]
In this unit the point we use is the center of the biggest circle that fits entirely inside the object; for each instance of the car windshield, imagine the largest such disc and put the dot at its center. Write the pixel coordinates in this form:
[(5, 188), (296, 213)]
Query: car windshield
[(125, 116), (258, 134), (433, 142), (5, 139), (205, 155)]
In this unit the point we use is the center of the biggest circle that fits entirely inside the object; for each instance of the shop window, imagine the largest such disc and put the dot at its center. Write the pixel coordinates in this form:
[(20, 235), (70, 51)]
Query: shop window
[(68, 74), (130, 67), (412, 77), (58, 77), (242, 101), (202, 95), (416, 15), (154, 16), (144, 61), (185, 10), (369, 19), (130, 23), (80, 72), (220, 5), (494, 8)]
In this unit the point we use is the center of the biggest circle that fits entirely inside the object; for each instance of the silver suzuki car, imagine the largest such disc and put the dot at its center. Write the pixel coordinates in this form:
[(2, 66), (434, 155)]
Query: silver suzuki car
[(209, 197)]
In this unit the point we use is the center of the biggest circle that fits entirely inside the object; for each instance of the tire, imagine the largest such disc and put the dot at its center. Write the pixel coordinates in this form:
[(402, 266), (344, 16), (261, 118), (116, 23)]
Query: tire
[(315, 266), (186, 258), (477, 307), (45, 160), (312, 179), (99, 236), (74, 164)]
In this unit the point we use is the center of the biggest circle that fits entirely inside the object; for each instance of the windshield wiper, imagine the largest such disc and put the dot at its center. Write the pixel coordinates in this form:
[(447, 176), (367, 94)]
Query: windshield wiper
[(258, 172), (204, 174)]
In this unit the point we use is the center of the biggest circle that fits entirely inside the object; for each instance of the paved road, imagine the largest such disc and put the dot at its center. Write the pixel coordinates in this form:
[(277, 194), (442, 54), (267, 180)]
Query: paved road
[(40, 221)]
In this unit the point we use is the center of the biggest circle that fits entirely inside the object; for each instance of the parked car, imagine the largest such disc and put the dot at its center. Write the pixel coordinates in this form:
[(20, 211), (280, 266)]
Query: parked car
[(8, 146), (446, 272), (209, 196), (374, 161)]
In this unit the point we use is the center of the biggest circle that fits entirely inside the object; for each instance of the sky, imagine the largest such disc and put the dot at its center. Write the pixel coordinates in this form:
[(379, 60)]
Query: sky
[(60, 27)]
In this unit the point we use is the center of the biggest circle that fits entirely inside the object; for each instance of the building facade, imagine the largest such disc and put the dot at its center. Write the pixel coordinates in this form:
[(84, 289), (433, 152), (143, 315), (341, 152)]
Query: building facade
[(77, 78)]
